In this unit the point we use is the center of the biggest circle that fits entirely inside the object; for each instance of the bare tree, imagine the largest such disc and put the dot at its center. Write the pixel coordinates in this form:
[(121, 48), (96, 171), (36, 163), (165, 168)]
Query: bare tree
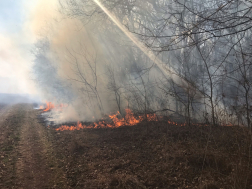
[(85, 70), (115, 88), (207, 32)]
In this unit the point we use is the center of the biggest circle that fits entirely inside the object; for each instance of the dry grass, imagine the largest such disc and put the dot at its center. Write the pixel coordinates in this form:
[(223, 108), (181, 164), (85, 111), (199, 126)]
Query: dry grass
[(155, 155), (148, 155)]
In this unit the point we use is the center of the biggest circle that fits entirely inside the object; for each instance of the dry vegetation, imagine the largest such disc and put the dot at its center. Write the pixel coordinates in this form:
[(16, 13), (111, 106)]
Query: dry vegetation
[(148, 155), (155, 155)]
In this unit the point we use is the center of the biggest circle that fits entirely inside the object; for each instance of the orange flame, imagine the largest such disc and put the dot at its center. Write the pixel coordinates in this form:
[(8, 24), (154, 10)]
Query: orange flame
[(129, 120), (50, 105)]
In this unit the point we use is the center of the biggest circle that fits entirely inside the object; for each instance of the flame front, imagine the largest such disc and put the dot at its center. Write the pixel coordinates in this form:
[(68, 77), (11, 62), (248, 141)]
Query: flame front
[(50, 106), (129, 120)]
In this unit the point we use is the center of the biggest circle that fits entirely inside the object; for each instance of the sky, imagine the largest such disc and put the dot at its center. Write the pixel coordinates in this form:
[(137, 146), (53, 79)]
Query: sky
[(16, 42)]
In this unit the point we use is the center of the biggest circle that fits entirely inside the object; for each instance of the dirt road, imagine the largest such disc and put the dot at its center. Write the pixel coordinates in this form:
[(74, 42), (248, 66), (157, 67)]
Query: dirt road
[(26, 159)]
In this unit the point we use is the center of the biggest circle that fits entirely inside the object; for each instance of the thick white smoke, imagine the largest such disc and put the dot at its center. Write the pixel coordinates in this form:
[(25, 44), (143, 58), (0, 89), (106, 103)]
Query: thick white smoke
[(94, 67)]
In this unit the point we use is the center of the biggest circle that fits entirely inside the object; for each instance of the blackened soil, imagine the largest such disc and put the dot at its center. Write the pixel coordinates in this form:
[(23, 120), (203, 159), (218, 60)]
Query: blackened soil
[(156, 155)]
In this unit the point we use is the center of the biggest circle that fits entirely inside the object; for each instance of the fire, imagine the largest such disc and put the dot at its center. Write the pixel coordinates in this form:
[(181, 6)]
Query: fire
[(50, 106), (129, 120)]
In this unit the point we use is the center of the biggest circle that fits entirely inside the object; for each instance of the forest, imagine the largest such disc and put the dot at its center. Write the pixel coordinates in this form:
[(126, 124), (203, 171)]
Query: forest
[(192, 58)]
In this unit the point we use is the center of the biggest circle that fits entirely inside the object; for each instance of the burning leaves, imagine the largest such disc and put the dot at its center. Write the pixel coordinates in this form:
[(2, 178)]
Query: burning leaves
[(49, 106), (115, 120), (129, 120)]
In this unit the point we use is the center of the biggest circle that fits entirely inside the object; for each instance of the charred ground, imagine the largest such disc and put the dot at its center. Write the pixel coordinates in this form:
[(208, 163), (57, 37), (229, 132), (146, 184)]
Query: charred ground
[(148, 155)]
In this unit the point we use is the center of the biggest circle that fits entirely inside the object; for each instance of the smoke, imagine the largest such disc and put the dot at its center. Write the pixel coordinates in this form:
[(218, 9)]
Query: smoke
[(16, 81), (15, 67), (94, 66)]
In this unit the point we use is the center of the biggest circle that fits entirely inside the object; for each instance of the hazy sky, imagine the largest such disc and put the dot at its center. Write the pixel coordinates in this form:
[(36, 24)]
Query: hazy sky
[(16, 38)]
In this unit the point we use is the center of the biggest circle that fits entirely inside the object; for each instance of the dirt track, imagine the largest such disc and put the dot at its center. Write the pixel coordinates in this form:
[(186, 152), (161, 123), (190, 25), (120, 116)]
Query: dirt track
[(26, 155), (148, 155)]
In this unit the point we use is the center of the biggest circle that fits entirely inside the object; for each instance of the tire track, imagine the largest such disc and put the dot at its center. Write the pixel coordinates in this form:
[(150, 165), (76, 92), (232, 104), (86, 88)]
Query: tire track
[(11, 119), (35, 165)]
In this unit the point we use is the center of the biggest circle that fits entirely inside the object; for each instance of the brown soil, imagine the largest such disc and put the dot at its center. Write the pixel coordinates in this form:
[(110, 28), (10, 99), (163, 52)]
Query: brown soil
[(35, 165), (149, 155), (26, 153), (156, 155)]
